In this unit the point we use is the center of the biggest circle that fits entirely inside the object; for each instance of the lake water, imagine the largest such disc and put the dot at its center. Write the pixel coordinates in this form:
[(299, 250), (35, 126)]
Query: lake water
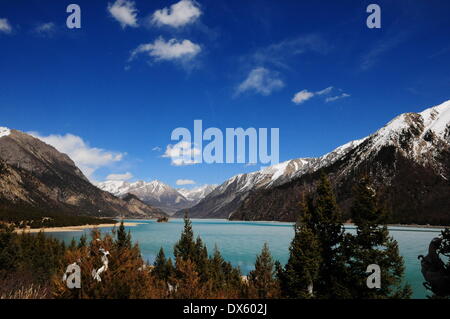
[(240, 242)]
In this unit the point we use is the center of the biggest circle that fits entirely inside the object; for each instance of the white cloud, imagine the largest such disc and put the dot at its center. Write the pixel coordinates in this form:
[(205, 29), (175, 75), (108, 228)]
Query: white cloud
[(182, 153), (173, 49), (5, 27), (262, 81), (45, 29), (302, 96), (178, 15), (125, 12), (119, 177), (337, 97), (185, 182), (88, 159), (325, 91), (157, 149), (305, 95)]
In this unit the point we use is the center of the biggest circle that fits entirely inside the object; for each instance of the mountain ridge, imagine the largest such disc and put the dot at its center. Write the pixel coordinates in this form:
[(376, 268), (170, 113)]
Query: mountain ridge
[(421, 138), (157, 193), (36, 178)]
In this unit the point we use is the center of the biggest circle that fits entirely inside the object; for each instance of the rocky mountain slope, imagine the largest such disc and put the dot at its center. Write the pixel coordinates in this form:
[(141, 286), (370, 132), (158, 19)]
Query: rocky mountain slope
[(36, 178), (227, 197), (157, 193), (409, 159), (196, 194), (138, 207)]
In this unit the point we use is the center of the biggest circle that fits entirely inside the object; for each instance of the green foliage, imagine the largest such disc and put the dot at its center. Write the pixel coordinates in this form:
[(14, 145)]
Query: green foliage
[(324, 262), (373, 245), (218, 276), (34, 218), (123, 238), (262, 281), (27, 259), (185, 247), (303, 267), (316, 266), (163, 268)]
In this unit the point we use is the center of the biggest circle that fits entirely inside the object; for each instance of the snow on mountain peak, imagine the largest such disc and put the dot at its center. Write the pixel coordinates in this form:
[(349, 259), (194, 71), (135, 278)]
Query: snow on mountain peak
[(197, 193), (437, 118), (4, 131)]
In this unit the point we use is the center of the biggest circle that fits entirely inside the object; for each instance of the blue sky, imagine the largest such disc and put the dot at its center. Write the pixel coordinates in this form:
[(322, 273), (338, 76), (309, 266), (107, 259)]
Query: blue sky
[(229, 63)]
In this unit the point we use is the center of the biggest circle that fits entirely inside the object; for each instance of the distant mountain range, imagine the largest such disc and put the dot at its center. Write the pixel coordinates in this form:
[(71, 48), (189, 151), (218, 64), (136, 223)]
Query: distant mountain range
[(37, 180), (409, 160), (158, 194)]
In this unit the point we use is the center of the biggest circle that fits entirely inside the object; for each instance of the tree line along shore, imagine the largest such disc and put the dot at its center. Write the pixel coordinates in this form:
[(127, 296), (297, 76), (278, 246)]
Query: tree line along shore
[(324, 261)]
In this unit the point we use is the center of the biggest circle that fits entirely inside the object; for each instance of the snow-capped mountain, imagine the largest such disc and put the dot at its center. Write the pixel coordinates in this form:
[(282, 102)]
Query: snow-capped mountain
[(196, 194), (4, 131), (227, 197), (421, 139), (157, 193)]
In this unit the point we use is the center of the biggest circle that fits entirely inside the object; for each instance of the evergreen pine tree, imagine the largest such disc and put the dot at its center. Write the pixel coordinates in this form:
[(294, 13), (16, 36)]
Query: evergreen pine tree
[(373, 245), (123, 238), (261, 280), (161, 268), (298, 278), (185, 247), (201, 259), (327, 225), (316, 266)]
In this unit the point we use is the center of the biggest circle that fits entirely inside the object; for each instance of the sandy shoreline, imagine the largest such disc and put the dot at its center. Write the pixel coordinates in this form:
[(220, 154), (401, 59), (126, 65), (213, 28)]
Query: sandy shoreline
[(134, 223), (74, 228)]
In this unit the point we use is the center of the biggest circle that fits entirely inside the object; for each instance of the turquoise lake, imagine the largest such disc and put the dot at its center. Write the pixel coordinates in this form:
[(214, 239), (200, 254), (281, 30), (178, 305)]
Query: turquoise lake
[(240, 242)]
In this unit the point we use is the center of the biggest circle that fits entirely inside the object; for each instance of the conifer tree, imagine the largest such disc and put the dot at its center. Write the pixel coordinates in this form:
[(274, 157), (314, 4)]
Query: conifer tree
[(225, 279), (316, 266), (261, 280), (327, 225), (162, 269), (185, 247), (123, 238), (373, 245), (201, 259), (298, 278)]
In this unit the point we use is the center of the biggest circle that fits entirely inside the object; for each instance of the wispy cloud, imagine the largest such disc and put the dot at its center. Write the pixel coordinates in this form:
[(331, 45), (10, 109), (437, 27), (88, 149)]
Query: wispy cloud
[(325, 91), (337, 97), (181, 154), (169, 50), (119, 177), (157, 149), (380, 48), (305, 95), (279, 54), (262, 81), (124, 12), (88, 159), (45, 29), (178, 15), (5, 26), (185, 182)]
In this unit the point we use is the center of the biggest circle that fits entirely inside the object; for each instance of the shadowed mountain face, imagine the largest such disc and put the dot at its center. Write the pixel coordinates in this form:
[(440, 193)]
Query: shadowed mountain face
[(138, 207), (408, 159), (35, 177)]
